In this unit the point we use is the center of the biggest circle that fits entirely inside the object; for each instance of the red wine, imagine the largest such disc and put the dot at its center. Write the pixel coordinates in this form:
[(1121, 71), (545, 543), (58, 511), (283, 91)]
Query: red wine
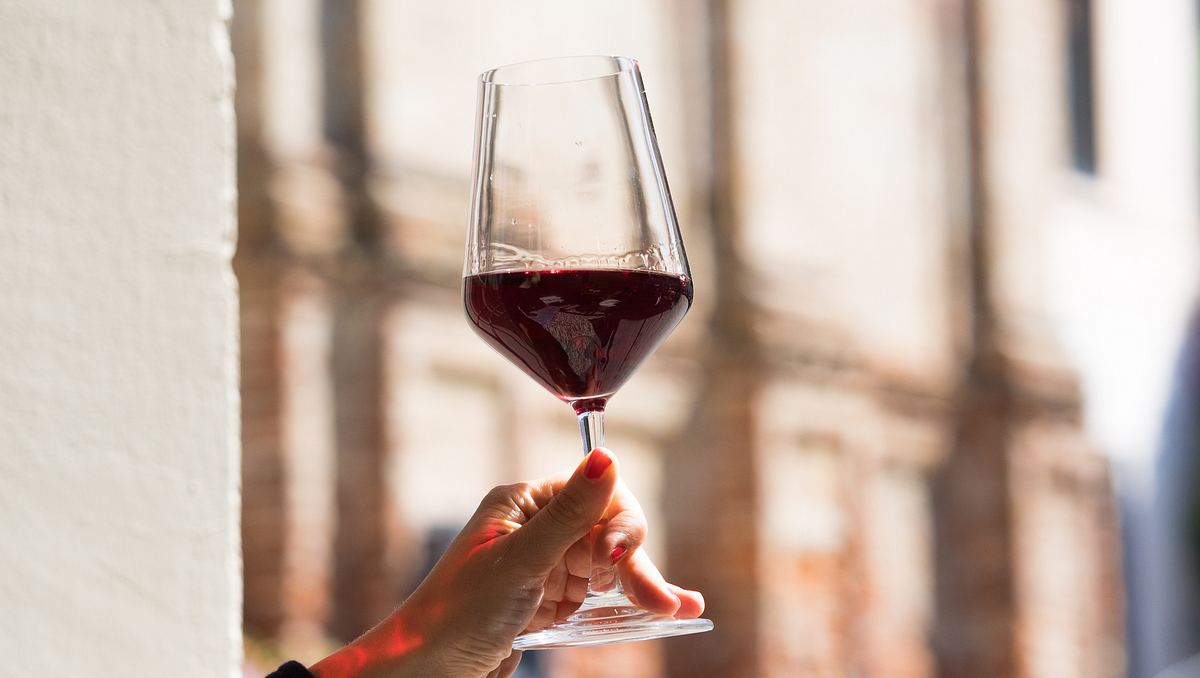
[(580, 333)]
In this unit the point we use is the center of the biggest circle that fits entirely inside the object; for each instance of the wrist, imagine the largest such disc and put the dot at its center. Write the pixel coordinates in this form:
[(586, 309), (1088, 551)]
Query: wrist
[(396, 648)]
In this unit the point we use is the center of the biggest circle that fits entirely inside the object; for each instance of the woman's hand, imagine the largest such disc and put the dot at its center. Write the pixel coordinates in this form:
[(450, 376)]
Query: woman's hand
[(522, 561)]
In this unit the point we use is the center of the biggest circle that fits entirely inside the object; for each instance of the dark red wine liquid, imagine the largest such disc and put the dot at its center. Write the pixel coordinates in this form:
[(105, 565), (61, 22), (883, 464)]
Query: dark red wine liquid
[(580, 333)]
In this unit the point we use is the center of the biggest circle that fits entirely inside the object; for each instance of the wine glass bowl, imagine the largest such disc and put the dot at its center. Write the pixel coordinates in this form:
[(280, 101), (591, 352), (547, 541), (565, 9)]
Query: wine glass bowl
[(567, 171), (575, 270), (579, 332)]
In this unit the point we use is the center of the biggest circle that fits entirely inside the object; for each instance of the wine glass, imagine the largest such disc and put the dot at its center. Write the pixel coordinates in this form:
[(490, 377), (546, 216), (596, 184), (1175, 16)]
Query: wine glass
[(575, 270)]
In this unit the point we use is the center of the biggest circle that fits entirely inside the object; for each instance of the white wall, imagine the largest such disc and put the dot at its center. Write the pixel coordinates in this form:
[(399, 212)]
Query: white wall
[(118, 387), (1124, 271), (1123, 259)]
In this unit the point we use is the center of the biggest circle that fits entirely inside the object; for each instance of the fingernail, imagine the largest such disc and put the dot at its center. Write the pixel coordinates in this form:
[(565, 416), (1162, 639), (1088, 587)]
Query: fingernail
[(597, 464), (618, 552)]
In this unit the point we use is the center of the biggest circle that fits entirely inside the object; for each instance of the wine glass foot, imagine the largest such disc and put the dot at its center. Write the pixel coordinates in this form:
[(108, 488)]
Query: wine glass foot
[(596, 628)]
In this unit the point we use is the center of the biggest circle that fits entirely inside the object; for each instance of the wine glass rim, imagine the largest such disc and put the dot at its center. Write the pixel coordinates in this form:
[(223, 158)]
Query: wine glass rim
[(618, 66)]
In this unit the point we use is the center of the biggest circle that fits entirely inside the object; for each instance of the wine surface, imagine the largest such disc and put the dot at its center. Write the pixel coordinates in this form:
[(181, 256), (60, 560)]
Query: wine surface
[(579, 332)]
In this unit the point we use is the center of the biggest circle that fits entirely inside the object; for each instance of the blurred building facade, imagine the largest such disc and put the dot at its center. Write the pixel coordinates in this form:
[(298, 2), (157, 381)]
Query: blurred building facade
[(865, 445)]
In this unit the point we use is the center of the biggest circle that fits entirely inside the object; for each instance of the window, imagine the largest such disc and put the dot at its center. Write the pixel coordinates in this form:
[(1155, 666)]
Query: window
[(1080, 88)]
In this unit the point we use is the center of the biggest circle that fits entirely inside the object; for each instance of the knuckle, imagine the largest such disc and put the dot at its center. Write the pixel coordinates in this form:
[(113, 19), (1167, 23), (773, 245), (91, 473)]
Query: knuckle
[(499, 498), (499, 493), (639, 530), (634, 531)]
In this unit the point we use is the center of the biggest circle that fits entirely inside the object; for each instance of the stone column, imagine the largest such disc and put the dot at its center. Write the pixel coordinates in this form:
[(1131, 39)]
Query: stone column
[(363, 592), (716, 549), (258, 265)]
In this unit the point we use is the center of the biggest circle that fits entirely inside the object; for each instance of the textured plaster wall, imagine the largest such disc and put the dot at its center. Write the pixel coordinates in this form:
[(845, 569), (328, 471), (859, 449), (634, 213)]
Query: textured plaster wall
[(118, 387)]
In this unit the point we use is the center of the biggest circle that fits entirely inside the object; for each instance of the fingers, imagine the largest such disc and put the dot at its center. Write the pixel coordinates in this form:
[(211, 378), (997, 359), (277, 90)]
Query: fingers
[(576, 589), (557, 608), (565, 609), (624, 531), (691, 603), (556, 583), (579, 558), (542, 542), (645, 585), (543, 617), (507, 667)]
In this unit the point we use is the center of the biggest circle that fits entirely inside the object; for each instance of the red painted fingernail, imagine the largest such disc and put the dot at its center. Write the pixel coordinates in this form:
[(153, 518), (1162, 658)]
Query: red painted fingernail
[(618, 552), (597, 464)]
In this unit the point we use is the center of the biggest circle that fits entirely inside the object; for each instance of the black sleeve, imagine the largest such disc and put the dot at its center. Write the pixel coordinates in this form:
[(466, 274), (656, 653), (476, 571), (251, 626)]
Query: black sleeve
[(291, 670)]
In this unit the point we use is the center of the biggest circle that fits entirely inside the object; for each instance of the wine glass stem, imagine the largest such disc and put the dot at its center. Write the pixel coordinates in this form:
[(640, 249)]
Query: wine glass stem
[(591, 429)]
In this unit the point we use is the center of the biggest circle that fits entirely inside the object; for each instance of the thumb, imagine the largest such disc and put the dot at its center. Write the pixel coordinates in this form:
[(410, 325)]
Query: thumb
[(542, 542)]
